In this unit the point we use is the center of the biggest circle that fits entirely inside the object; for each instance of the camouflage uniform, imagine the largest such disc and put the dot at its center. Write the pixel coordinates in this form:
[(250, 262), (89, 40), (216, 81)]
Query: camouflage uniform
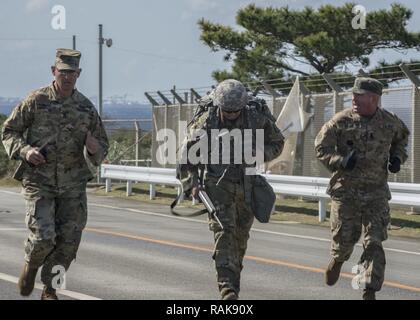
[(360, 196), (228, 186), (55, 192)]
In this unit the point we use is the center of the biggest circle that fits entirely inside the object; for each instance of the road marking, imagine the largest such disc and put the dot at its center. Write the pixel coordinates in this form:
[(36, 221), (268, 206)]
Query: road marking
[(252, 258), (253, 229), (151, 240), (12, 229), (150, 213), (285, 222), (291, 235), (68, 293), (201, 221)]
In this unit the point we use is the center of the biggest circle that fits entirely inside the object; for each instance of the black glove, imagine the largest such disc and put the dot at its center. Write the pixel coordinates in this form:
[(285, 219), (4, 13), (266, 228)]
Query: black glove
[(44, 152), (394, 165), (349, 161)]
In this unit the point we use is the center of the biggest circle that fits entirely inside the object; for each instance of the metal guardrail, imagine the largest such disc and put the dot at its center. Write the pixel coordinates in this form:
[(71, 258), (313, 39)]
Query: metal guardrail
[(143, 174), (407, 194)]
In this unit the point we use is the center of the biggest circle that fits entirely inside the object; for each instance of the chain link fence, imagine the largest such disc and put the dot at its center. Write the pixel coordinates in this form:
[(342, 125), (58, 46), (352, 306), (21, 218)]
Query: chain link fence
[(403, 101)]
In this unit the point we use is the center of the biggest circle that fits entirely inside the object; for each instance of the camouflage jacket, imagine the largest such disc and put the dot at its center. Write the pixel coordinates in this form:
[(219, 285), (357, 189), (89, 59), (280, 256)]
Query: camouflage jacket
[(374, 140), (254, 116), (41, 118)]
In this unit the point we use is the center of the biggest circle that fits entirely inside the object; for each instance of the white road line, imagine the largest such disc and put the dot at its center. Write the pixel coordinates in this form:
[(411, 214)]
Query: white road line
[(253, 229), (68, 293), (291, 235), (150, 213), (285, 222), (12, 229), (328, 240)]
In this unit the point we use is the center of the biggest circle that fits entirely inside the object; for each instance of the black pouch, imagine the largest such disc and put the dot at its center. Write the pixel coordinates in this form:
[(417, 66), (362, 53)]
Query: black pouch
[(263, 199)]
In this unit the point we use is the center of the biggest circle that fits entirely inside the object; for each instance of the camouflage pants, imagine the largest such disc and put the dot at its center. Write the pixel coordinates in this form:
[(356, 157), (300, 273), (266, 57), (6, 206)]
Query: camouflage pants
[(231, 241), (55, 220), (349, 220)]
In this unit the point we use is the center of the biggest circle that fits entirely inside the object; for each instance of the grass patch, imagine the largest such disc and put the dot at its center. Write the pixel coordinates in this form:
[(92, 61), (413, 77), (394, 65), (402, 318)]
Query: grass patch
[(287, 209), (9, 182), (140, 192)]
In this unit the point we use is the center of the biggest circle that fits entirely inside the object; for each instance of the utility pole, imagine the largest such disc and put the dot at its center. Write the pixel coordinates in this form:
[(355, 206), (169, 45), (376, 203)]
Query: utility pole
[(108, 43), (101, 42), (74, 42)]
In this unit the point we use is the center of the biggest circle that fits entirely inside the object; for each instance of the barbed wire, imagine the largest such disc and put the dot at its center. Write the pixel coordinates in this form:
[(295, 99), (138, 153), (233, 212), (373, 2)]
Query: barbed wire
[(309, 81), (149, 54), (34, 39)]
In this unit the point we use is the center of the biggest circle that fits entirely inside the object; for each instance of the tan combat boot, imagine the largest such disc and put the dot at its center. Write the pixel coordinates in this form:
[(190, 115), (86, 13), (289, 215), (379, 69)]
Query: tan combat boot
[(369, 294), (26, 281), (333, 272), (48, 294)]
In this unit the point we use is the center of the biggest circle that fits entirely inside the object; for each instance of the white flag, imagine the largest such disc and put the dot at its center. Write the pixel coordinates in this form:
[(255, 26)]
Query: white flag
[(292, 117)]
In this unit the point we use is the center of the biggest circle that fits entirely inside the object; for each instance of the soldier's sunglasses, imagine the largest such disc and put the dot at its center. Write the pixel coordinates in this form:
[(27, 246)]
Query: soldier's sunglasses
[(231, 112), (68, 73)]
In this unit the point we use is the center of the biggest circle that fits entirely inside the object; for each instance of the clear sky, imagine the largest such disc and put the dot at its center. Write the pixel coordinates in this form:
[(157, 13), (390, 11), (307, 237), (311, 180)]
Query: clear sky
[(156, 42)]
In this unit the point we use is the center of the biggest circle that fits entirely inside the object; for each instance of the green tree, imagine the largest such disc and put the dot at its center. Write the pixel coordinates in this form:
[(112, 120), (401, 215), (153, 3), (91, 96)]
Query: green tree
[(271, 39)]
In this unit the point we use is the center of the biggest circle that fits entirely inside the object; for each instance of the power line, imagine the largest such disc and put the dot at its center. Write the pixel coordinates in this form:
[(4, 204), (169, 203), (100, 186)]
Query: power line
[(34, 39), (153, 55)]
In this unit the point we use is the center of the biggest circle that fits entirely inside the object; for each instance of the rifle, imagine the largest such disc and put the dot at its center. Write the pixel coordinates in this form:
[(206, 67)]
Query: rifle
[(210, 208), (205, 199)]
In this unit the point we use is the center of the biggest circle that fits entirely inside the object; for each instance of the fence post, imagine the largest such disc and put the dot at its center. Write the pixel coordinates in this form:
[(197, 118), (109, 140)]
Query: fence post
[(415, 128), (136, 125), (307, 150), (415, 146), (337, 99), (415, 132), (166, 128)]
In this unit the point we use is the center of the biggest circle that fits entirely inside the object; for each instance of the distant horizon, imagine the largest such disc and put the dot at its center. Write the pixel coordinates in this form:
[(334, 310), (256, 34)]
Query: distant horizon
[(156, 44), (106, 101)]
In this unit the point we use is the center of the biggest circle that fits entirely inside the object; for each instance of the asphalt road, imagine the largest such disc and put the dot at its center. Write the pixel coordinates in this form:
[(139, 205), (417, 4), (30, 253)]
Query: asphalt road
[(132, 250)]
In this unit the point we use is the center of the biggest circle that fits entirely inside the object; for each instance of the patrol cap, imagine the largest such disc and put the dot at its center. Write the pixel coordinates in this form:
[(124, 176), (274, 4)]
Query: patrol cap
[(67, 59), (230, 95), (364, 85)]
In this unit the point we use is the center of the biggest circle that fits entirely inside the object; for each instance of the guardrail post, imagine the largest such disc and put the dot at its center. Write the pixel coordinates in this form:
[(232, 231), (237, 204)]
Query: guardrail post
[(322, 209), (107, 185), (152, 191), (129, 188)]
